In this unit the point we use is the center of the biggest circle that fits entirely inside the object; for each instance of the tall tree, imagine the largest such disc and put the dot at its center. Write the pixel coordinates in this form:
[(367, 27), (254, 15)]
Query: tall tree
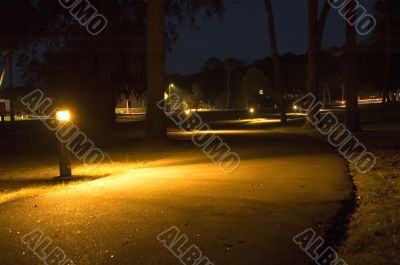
[(9, 59), (351, 90), (322, 21), (196, 98), (212, 65), (316, 25), (275, 58), (385, 9), (62, 57), (252, 82), (385, 96), (211, 79), (313, 42), (230, 65), (383, 48), (15, 24), (155, 119)]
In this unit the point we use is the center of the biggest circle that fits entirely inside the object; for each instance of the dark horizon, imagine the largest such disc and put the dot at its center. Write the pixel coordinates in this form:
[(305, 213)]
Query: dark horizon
[(253, 43), (192, 48)]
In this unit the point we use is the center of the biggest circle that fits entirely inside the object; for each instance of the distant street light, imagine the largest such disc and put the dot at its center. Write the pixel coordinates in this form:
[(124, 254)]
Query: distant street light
[(252, 111), (170, 87), (65, 154)]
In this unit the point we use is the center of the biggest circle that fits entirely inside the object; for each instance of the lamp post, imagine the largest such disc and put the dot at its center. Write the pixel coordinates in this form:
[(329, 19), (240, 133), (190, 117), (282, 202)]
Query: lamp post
[(170, 87), (65, 154)]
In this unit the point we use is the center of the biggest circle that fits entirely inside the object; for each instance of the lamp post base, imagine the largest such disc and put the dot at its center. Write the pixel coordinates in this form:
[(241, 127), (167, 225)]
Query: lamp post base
[(60, 178), (65, 162)]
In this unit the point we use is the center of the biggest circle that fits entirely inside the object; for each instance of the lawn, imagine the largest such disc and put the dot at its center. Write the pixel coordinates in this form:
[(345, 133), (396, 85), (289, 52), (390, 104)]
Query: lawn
[(29, 158), (373, 235)]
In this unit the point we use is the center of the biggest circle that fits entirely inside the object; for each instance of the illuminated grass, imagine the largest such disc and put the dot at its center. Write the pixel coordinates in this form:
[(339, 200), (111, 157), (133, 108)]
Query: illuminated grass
[(374, 231), (27, 192), (25, 178)]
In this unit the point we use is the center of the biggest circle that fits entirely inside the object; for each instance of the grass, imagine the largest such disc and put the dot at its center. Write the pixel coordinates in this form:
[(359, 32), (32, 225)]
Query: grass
[(373, 235), (29, 158), (26, 178)]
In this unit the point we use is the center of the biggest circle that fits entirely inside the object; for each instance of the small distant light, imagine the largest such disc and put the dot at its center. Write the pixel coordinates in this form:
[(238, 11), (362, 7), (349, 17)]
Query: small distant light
[(295, 107), (261, 92), (187, 112), (63, 115), (251, 110)]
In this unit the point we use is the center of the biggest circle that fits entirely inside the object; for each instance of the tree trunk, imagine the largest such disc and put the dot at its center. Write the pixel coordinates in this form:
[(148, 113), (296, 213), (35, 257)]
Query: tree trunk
[(11, 85), (3, 71), (313, 42), (228, 87), (385, 96), (322, 21), (329, 93), (155, 130), (321, 26), (275, 59), (351, 91)]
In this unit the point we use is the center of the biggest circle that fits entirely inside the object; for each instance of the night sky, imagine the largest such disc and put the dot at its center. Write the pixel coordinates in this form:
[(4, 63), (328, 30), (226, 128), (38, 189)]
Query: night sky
[(243, 33)]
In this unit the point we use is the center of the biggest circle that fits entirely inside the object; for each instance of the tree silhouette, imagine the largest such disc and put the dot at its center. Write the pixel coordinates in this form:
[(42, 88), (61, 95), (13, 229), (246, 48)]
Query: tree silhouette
[(252, 82), (15, 28), (313, 40), (86, 73), (156, 42), (316, 26), (275, 60), (351, 87), (385, 40), (157, 11), (230, 65)]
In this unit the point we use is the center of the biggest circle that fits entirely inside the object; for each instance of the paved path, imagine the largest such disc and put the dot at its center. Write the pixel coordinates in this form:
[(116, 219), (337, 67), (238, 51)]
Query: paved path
[(285, 184)]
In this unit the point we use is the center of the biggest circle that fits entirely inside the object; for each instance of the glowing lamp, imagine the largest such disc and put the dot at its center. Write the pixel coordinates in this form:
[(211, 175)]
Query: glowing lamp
[(63, 115), (65, 155)]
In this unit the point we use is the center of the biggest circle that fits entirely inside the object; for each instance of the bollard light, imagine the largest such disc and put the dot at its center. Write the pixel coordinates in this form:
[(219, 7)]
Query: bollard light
[(63, 117)]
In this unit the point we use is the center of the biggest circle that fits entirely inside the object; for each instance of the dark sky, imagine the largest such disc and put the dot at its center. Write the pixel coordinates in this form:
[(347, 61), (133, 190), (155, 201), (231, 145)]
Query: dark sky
[(243, 33)]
